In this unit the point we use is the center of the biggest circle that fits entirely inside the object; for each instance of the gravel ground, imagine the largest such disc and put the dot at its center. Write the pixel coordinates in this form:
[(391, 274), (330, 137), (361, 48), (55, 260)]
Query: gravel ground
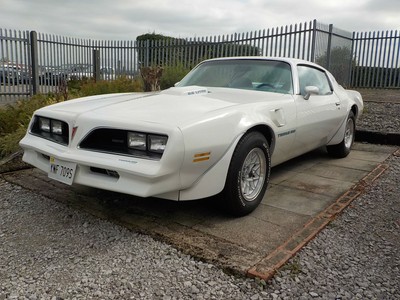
[(50, 251), (357, 256), (380, 117)]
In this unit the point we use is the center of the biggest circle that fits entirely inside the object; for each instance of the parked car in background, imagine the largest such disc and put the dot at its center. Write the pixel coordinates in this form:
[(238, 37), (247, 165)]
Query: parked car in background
[(53, 75), (10, 74), (220, 130), (107, 73), (80, 71), (26, 75)]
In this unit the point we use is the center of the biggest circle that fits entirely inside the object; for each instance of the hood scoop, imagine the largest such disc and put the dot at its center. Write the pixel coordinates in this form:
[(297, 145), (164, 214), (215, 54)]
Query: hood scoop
[(186, 91)]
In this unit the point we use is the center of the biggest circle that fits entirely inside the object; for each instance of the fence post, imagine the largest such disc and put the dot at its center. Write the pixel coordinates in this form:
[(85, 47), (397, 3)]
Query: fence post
[(314, 40), (34, 61), (146, 62), (351, 75), (96, 65), (328, 50)]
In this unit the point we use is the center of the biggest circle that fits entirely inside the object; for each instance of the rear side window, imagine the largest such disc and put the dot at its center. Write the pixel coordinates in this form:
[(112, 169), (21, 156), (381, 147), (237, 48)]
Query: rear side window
[(309, 76)]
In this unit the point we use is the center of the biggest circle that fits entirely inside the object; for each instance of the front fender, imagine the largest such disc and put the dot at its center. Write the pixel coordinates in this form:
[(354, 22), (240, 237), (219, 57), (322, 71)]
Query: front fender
[(206, 142), (209, 146), (213, 180)]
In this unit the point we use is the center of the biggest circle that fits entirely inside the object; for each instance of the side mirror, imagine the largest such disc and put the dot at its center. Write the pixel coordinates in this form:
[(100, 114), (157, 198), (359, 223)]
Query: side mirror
[(176, 84), (310, 90)]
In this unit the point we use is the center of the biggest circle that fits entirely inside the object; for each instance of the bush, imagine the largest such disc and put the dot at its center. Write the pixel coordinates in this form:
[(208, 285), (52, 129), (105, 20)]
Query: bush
[(88, 87), (14, 119), (172, 75)]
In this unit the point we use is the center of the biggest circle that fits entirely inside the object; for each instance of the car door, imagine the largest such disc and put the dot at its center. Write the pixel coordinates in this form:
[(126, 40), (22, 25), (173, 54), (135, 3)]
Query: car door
[(319, 115)]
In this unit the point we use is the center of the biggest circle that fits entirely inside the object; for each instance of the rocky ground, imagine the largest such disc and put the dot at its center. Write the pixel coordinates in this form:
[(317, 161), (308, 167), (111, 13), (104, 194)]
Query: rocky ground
[(357, 256), (50, 251), (380, 117)]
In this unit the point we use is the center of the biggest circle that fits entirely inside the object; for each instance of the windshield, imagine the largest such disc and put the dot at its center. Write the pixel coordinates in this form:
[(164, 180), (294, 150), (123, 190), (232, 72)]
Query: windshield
[(257, 74)]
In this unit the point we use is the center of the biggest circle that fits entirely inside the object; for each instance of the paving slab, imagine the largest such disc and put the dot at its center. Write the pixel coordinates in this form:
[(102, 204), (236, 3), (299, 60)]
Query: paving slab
[(304, 195), (296, 200)]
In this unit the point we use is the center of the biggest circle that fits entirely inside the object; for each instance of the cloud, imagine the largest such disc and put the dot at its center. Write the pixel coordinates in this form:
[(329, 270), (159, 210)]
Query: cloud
[(126, 19)]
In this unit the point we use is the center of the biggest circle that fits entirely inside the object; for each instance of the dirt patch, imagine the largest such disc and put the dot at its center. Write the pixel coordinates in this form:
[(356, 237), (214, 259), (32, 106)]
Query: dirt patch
[(380, 95), (13, 163)]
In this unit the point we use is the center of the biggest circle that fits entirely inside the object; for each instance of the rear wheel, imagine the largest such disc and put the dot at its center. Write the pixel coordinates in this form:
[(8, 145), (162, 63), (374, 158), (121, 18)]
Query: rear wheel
[(248, 175), (343, 148)]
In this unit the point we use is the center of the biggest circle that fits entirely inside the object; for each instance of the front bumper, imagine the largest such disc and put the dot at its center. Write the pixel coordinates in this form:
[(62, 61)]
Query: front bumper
[(139, 177)]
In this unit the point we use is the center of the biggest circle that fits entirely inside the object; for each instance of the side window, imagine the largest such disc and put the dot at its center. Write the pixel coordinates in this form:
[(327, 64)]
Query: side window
[(309, 76)]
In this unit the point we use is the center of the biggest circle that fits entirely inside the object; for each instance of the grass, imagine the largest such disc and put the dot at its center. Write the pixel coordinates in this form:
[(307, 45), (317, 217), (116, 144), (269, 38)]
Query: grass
[(293, 266)]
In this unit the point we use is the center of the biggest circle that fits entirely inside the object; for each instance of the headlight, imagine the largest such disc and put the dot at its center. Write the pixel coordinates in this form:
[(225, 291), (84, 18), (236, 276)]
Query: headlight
[(137, 141), (44, 124), (157, 143), (50, 129), (56, 127), (49, 125), (147, 142)]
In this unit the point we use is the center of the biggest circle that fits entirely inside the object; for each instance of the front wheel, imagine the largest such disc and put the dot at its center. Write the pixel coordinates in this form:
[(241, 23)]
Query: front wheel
[(342, 149), (248, 175)]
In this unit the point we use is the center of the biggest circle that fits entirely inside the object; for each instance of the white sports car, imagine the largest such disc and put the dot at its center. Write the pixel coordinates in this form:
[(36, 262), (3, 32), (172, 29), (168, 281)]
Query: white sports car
[(219, 130)]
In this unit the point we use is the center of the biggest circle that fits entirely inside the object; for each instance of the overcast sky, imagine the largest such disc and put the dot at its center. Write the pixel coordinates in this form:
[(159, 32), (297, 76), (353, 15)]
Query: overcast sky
[(126, 19)]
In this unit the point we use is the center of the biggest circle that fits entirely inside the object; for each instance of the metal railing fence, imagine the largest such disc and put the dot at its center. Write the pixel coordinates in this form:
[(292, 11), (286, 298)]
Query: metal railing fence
[(33, 62), (289, 41), (312, 41), (59, 59), (15, 63), (333, 50), (376, 59)]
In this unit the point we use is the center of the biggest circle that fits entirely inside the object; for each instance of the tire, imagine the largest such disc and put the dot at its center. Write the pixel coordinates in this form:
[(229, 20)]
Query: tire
[(342, 149), (248, 175)]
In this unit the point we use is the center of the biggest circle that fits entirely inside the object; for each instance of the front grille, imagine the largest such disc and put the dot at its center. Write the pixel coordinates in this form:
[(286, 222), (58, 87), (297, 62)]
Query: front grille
[(51, 134)]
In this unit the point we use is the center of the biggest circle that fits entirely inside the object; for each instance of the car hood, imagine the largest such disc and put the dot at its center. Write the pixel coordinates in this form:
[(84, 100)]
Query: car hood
[(175, 106)]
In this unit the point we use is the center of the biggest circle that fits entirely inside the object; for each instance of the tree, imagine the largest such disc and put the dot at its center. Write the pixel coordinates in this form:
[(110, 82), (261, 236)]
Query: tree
[(339, 63), (159, 50)]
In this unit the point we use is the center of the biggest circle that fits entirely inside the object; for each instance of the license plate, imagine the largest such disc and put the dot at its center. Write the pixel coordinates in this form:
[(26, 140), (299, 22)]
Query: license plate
[(62, 171)]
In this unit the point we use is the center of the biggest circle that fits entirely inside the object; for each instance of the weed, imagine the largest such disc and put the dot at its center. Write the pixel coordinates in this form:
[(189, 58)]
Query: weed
[(293, 266), (261, 283)]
